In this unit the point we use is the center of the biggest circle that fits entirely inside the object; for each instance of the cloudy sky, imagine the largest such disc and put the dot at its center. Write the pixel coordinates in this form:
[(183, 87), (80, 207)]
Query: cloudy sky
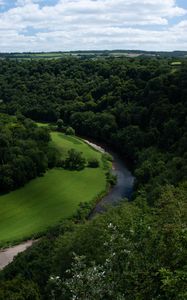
[(49, 25)]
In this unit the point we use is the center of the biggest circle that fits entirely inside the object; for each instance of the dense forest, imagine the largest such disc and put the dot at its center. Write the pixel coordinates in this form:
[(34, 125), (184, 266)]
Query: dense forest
[(24, 151), (139, 108)]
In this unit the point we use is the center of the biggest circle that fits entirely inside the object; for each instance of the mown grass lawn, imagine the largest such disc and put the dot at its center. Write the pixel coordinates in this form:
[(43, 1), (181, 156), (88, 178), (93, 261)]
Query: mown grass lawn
[(46, 200), (64, 143)]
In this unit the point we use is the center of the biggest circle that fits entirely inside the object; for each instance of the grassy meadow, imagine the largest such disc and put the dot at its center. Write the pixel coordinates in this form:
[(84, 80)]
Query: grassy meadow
[(46, 200)]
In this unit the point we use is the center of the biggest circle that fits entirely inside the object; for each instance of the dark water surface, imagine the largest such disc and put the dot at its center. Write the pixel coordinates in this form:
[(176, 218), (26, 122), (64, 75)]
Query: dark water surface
[(122, 189)]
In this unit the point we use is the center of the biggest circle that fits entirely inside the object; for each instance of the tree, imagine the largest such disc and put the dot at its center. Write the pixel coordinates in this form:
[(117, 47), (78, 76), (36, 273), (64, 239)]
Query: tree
[(70, 131), (24, 151), (75, 160), (60, 124)]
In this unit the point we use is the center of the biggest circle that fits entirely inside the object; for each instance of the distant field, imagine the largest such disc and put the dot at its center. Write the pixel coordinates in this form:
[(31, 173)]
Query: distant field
[(92, 54), (36, 56), (176, 63), (46, 200)]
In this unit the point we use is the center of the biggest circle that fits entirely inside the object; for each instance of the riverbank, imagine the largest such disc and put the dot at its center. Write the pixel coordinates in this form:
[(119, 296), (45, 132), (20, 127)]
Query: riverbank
[(121, 190)]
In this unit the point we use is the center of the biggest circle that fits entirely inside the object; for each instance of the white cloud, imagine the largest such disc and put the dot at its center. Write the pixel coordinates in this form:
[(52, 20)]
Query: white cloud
[(92, 24)]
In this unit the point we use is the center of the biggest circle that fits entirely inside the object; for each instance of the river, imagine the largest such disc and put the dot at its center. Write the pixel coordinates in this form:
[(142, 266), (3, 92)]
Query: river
[(122, 189), (124, 185)]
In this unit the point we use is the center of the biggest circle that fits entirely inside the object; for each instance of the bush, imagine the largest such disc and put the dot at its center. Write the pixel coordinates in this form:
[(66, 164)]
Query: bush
[(60, 163), (75, 160), (107, 156), (111, 178), (70, 131), (107, 159), (93, 163), (60, 124)]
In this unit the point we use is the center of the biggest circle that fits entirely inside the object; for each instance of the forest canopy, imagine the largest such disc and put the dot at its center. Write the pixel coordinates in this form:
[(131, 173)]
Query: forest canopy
[(24, 151)]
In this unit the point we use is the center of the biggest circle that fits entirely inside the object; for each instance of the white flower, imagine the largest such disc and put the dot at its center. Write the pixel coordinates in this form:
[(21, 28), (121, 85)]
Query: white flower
[(126, 251)]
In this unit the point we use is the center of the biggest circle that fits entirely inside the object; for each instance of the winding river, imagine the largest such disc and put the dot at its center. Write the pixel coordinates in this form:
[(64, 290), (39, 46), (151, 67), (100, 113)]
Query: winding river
[(122, 189)]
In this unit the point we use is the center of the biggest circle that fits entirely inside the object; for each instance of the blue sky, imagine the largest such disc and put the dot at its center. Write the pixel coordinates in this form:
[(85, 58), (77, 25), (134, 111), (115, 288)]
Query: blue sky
[(61, 25), (182, 3)]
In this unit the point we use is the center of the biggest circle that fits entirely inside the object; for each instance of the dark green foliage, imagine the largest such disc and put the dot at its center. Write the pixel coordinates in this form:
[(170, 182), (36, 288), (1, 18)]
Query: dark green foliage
[(74, 160), (111, 178), (19, 289), (108, 157), (24, 151), (70, 131), (134, 248), (53, 157), (93, 163), (60, 124)]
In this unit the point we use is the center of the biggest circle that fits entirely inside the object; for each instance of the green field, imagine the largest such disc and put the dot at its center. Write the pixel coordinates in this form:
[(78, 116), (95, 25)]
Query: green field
[(176, 63), (46, 200)]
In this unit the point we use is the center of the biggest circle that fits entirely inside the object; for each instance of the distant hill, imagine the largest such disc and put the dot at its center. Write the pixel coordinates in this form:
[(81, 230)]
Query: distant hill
[(92, 54)]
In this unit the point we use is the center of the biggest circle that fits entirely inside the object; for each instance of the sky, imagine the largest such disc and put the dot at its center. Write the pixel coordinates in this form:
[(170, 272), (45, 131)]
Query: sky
[(63, 25)]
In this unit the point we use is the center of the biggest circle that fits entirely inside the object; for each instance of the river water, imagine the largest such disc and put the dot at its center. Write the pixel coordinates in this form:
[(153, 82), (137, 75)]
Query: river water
[(124, 185)]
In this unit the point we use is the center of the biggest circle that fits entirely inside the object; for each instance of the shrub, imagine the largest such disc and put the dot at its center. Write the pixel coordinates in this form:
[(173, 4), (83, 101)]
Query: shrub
[(107, 156), (70, 131), (75, 160), (111, 178), (93, 163), (60, 124)]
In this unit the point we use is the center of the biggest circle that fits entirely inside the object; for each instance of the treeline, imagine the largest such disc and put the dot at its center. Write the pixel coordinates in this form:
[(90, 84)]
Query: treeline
[(24, 151)]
